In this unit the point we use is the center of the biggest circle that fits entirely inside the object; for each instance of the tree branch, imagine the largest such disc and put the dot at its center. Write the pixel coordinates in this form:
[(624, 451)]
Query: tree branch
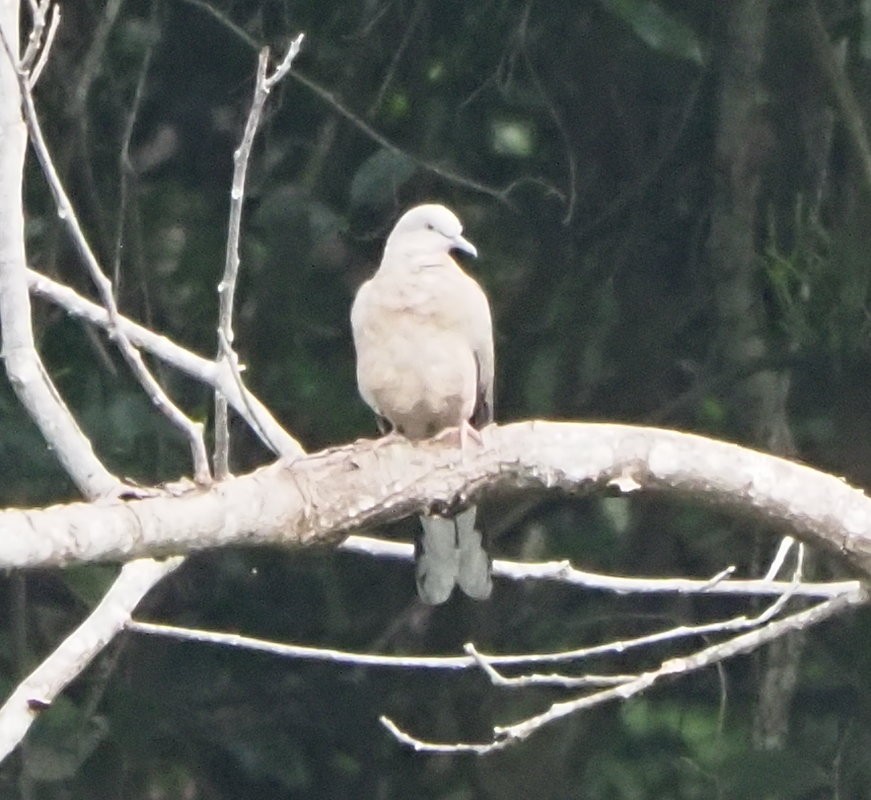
[(27, 374), (840, 87), (227, 287), (45, 683), (503, 736), (192, 430), (219, 376), (563, 572), (321, 498)]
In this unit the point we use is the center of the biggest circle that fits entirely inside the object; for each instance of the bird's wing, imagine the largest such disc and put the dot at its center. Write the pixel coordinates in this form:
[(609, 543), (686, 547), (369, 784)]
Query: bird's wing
[(473, 317)]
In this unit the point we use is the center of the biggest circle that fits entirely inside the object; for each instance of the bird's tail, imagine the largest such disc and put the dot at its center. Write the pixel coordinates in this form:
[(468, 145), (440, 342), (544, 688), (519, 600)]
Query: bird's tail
[(450, 550)]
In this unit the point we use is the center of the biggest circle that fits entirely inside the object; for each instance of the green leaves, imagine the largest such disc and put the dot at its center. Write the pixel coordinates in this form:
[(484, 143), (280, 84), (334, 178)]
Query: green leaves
[(657, 28)]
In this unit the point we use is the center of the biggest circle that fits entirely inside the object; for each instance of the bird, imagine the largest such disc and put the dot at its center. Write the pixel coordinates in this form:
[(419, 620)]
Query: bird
[(423, 336)]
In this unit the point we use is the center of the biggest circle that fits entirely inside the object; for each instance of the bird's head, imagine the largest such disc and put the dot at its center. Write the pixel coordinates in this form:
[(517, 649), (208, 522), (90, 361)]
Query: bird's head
[(428, 230)]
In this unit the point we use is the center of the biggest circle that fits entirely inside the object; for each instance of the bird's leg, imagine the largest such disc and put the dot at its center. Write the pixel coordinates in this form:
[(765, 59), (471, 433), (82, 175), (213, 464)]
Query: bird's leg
[(390, 437), (389, 433), (461, 435), (467, 431)]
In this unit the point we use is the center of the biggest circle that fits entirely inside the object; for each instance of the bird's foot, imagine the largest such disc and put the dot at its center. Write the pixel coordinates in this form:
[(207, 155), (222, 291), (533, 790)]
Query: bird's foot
[(388, 438), (468, 432), (461, 436)]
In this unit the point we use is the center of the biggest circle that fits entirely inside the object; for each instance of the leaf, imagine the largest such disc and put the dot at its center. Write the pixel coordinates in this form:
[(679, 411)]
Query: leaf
[(380, 177), (658, 29)]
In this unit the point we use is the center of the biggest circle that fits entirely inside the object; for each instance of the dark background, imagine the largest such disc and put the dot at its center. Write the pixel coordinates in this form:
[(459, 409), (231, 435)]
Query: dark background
[(671, 208)]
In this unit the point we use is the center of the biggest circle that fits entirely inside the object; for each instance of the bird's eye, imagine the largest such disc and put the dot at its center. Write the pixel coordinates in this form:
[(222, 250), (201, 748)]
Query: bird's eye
[(429, 226)]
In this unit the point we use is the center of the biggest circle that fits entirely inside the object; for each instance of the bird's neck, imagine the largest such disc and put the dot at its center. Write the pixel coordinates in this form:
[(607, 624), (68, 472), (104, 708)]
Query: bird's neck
[(404, 258)]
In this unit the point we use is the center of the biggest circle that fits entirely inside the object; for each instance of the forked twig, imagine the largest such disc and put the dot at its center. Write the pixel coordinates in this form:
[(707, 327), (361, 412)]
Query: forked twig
[(227, 287), (505, 735)]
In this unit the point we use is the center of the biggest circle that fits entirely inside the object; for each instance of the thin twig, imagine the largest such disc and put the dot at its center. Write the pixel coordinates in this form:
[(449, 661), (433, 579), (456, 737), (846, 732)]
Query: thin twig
[(364, 127), (564, 572), (572, 181), (842, 90), (231, 361), (398, 52), (216, 14), (503, 736), (93, 58), (46, 48), (220, 377), (783, 549), (227, 287), (192, 430), (125, 165), (738, 623), (536, 679), (34, 39)]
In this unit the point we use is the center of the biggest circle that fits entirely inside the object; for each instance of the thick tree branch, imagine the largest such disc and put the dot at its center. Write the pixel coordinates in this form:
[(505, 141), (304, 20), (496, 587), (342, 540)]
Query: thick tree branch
[(24, 367), (321, 498)]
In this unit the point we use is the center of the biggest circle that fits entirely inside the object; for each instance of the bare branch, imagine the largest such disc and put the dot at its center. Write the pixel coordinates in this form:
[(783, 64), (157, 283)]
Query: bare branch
[(839, 84), (323, 497), (94, 57), (709, 656), (571, 191), (33, 74), (500, 194), (398, 53), (227, 287), (224, 20), (488, 662), (302, 651), (192, 430), (783, 549), (126, 171), (565, 573), (25, 369), (219, 376), (42, 686), (38, 15), (59, 428), (39, 689), (536, 679)]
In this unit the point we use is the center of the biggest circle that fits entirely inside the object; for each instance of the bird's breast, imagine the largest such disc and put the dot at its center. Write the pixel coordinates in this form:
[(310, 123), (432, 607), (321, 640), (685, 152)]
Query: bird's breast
[(413, 367)]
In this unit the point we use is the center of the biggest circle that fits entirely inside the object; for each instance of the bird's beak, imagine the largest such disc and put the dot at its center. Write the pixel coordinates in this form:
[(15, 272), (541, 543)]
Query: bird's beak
[(460, 243)]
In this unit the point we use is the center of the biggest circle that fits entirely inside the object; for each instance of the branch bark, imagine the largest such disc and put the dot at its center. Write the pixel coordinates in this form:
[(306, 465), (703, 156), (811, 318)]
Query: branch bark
[(24, 367), (319, 499)]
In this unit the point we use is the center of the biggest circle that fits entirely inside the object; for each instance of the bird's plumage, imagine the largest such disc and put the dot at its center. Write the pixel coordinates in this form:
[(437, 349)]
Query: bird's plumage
[(424, 341)]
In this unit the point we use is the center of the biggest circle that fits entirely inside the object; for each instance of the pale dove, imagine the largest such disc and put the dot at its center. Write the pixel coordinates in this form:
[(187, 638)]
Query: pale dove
[(424, 342)]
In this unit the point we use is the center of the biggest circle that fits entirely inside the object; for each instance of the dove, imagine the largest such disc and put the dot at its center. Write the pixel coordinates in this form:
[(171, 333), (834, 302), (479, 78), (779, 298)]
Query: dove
[(423, 336)]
